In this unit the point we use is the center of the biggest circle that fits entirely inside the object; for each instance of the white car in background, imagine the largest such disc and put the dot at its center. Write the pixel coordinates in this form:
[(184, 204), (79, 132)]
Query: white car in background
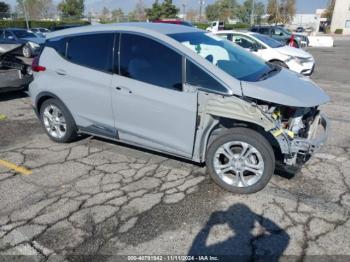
[(295, 59)]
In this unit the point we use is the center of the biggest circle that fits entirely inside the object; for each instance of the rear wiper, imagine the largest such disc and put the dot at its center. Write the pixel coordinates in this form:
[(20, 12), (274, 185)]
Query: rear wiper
[(268, 73)]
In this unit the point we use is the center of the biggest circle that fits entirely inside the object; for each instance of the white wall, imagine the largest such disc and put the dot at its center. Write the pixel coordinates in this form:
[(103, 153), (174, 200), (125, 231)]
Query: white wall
[(340, 15)]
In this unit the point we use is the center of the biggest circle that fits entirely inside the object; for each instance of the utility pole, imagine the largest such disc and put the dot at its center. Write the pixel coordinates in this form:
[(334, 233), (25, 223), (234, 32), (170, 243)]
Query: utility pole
[(25, 14), (252, 13), (184, 10), (201, 3)]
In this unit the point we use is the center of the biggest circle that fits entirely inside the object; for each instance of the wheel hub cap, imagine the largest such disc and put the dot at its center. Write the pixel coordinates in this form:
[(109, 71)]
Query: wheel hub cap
[(238, 164)]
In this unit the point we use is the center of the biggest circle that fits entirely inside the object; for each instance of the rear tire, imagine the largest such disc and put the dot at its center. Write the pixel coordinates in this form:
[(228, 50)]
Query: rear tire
[(248, 149), (57, 121)]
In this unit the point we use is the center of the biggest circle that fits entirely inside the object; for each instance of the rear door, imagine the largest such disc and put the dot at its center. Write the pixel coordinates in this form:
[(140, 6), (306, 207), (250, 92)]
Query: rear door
[(81, 73), (150, 106)]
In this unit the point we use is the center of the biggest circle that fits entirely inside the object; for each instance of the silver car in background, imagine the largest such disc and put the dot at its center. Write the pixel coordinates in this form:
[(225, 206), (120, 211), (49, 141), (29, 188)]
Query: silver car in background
[(181, 91)]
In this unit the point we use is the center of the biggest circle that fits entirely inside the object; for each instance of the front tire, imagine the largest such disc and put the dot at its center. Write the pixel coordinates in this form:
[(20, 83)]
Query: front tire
[(241, 161), (57, 121)]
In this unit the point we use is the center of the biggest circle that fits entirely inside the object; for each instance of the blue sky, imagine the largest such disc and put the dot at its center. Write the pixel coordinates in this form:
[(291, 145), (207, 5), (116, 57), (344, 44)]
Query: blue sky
[(303, 6)]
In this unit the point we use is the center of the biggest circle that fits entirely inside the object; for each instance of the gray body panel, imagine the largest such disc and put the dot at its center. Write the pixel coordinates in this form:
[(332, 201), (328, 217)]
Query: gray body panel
[(286, 88), (153, 116)]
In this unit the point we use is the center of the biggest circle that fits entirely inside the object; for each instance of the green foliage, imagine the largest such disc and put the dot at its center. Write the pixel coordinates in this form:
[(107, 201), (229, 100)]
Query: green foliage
[(329, 11), (71, 7), (164, 10), (32, 24), (221, 10), (4, 9), (224, 9), (338, 31), (281, 11)]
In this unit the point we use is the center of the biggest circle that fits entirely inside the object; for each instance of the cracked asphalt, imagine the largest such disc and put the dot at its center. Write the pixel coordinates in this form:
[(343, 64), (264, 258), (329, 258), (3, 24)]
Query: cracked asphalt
[(101, 199)]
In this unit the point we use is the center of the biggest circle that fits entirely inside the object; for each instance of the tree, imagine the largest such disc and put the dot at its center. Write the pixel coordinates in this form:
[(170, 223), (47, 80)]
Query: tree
[(259, 12), (192, 15), (117, 15), (155, 12), (106, 14), (36, 9), (70, 8), (287, 10), (329, 11), (165, 10), (140, 11), (221, 10), (4, 10), (212, 12), (273, 11)]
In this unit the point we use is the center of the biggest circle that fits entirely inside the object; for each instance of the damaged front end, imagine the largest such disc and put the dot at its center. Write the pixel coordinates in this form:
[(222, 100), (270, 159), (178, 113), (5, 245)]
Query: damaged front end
[(299, 131)]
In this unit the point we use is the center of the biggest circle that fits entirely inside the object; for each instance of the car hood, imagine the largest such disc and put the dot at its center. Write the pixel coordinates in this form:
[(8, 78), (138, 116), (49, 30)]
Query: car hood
[(286, 88), (292, 51), (37, 40)]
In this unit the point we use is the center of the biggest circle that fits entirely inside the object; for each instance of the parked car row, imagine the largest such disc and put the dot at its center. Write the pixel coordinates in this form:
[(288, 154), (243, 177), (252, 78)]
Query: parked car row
[(272, 51), (181, 91)]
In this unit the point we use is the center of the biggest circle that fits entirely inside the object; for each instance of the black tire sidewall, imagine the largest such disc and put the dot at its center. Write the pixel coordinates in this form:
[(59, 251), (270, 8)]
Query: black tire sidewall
[(71, 127), (256, 140)]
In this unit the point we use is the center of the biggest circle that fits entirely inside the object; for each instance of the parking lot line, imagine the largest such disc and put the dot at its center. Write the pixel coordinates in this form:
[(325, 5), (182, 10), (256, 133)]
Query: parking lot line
[(2, 117), (18, 169)]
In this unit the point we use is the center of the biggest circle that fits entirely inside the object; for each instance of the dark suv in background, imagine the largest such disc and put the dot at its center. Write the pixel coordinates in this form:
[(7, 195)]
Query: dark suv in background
[(282, 35)]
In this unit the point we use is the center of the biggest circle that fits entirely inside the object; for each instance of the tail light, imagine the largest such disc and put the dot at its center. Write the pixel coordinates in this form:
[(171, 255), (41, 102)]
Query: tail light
[(35, 65)]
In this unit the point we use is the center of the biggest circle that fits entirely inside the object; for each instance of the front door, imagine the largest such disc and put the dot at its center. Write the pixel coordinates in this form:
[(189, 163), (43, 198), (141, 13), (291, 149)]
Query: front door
[(150, 107)]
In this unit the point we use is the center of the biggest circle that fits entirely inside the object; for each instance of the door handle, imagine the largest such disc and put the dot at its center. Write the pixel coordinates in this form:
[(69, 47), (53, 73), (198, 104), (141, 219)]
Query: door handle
[(125, 89), (61, 72)]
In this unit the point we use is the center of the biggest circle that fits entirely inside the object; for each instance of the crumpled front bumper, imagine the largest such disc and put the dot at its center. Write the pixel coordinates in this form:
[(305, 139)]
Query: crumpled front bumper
[(298, 150), (315, 139)]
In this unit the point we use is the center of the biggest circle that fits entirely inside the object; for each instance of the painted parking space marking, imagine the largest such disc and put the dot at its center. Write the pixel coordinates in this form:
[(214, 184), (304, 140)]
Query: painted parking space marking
[(2, 117), (18, 169)]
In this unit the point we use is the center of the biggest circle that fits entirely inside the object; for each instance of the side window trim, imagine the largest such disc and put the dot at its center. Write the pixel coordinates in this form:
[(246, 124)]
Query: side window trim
[(210, 74)]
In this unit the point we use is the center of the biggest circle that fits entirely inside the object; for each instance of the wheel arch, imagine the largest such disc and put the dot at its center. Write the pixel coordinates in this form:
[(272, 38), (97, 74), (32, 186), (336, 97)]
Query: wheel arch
[(224, 124), (42, 97)]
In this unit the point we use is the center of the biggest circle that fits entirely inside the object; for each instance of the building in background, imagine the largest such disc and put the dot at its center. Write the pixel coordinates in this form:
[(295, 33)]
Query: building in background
[(341, 16)]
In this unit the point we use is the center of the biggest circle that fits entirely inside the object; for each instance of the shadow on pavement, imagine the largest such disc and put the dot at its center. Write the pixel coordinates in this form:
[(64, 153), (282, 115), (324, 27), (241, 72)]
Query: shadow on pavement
[(6, 96), (266, 244)]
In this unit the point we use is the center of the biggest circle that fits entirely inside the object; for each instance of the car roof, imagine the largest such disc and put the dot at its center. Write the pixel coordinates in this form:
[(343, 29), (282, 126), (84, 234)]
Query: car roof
[(162, 28)]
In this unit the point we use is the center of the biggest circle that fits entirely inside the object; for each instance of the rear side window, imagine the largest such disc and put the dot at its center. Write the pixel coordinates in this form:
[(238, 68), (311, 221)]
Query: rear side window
[(149, 61), (197, 77), (59, 44), (93, 50)]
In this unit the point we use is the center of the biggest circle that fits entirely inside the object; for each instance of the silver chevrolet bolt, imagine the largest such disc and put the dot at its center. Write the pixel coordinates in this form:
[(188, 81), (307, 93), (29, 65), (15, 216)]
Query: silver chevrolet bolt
[(181, 91)]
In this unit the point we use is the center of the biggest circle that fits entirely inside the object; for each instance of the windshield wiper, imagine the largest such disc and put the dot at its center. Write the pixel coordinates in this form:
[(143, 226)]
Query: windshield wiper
[(268, 73)]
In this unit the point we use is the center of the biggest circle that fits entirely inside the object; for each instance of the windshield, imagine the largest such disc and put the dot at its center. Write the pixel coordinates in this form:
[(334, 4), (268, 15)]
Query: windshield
[(231, 58), (23, 33), (268, 40)]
